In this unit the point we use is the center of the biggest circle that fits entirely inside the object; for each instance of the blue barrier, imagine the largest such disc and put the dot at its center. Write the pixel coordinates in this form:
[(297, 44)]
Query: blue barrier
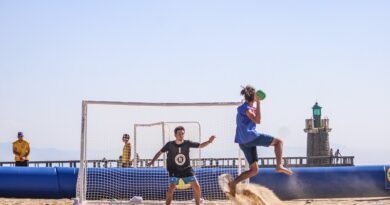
[(323, 182), (326, 182), (21, 182), (67, 180)]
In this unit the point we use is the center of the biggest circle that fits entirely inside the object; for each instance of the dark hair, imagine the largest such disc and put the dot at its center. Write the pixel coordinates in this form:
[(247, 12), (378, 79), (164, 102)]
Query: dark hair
[(126, 136), (248, 92), (179, 128)]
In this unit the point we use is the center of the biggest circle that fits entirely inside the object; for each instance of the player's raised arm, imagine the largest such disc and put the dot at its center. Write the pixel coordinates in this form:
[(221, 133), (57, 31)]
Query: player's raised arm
[(164, 149), (255, 116), (204, 144), (154, 158)]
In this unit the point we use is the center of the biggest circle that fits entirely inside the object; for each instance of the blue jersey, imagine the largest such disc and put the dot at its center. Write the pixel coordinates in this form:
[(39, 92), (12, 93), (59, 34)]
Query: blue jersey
[(246, 128)]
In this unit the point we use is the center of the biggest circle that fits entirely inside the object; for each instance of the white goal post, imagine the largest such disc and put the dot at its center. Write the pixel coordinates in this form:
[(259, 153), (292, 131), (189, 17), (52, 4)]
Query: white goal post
[(203, 118)]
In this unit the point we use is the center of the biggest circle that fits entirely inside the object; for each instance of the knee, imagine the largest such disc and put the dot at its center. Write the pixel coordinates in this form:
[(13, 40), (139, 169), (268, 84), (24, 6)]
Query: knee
[(254, 171), (196, 186), (278, 141), (171, 188)]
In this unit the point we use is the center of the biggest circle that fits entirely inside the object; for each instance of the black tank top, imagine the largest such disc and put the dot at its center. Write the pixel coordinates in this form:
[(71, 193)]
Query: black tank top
[(178, 158)]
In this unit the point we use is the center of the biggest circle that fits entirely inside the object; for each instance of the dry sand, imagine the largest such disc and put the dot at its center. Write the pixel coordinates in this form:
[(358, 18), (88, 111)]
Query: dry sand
[(9, 201), (253, 194), (341, 201)]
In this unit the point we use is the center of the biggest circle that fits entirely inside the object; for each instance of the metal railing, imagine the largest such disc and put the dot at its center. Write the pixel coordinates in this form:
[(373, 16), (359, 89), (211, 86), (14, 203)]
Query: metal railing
[(204, 162)]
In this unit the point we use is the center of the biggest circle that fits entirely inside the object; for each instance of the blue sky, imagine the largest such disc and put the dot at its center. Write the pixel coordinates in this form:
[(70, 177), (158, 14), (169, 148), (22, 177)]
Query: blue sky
[(54, 54)]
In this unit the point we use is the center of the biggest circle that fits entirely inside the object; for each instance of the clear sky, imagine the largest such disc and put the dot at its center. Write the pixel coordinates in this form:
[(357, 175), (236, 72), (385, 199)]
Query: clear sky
[(54, 54)]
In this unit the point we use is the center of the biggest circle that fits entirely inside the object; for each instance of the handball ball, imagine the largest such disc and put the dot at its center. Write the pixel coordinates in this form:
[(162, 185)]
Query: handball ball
[(260, 94)]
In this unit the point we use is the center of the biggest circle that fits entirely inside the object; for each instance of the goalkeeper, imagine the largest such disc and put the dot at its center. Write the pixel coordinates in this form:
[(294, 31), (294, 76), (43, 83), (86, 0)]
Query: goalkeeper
[(178, 163)]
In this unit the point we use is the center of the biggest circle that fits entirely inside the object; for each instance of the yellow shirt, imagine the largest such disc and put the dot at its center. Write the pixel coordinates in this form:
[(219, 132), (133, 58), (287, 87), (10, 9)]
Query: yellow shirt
[(23, 147), (126, 154)]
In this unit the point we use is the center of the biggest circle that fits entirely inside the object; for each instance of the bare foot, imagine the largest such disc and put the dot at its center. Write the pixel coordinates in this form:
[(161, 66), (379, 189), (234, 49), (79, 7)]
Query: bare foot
[(232, 187), (282, 169)]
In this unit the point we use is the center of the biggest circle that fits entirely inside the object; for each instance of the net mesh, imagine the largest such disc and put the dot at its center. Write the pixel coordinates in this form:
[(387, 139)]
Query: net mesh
[(103, 179)]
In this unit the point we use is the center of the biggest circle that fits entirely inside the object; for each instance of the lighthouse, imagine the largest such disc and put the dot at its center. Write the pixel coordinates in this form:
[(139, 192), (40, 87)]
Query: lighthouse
[(317, 129)]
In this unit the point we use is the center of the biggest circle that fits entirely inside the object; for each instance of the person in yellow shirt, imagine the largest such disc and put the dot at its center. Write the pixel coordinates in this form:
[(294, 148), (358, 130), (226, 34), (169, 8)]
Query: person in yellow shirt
[(126, 153), (21, 150)]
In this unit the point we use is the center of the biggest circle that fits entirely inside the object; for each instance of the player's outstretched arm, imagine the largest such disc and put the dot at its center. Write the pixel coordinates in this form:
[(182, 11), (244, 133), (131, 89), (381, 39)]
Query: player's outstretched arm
[(204, 144), (154, 158)]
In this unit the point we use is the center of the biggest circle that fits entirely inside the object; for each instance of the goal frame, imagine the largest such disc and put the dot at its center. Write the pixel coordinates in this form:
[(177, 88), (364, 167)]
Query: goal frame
[(81, 193)]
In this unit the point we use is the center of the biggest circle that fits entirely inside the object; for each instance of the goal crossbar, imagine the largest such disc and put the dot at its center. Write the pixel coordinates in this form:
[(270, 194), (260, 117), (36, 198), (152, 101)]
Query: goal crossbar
[(94, 102)]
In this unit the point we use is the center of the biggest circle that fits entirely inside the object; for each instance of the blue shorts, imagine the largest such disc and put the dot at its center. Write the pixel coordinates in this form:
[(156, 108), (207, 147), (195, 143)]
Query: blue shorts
[(249, 148), (175, 180)]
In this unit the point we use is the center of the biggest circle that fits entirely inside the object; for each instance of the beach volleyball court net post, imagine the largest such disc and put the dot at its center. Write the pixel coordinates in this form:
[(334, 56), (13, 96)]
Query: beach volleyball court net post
[(101, 176)]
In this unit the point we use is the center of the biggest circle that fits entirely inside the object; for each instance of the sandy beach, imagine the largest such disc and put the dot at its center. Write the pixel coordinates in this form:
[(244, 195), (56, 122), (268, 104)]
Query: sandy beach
[(339, 201)]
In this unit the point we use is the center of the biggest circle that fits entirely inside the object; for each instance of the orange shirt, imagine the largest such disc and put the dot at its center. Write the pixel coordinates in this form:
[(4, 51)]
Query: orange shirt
[(23, 147)]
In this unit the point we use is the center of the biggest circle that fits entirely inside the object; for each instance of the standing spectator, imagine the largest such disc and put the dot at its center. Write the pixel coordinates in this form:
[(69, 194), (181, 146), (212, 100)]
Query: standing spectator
[(21, 149), (331, 156), (337, 155), (126, 155), (120, 161), (137, 160)]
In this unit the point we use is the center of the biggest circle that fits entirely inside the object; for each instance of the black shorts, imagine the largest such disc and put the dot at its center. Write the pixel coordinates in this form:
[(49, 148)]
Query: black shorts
[(249, 148), (181, 173), (21, 163)]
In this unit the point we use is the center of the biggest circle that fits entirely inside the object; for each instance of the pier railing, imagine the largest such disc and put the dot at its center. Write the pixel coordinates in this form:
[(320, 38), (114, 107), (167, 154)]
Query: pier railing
[(204, 162)]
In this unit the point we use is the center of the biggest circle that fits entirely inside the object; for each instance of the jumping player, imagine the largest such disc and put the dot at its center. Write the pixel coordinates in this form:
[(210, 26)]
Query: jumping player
[(248, 138), (178, 163)]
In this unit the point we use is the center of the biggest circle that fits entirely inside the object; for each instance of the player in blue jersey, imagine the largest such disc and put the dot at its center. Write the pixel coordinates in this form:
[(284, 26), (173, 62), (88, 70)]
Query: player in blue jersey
[(249, 138)]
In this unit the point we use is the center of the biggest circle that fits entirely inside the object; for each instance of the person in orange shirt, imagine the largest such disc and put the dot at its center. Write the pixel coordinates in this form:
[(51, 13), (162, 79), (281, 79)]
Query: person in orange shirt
[(21, 150)]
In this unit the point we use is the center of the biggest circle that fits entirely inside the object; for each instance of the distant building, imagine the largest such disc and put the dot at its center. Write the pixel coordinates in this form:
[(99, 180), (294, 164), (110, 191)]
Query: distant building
[(317, 130)]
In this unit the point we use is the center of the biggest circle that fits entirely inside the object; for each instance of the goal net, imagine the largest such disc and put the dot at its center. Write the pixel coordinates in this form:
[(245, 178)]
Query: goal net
[(103, 178)]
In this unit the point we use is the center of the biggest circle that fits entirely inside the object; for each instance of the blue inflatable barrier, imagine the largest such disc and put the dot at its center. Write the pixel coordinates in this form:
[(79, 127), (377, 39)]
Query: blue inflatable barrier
[(47, 183), (152, 183), (21, 182), (67, 180), (326, 182)]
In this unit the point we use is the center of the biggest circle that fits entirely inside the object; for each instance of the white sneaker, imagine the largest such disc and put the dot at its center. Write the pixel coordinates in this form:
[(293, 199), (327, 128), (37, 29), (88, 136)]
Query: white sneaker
[(201, 200), (136, 200)]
